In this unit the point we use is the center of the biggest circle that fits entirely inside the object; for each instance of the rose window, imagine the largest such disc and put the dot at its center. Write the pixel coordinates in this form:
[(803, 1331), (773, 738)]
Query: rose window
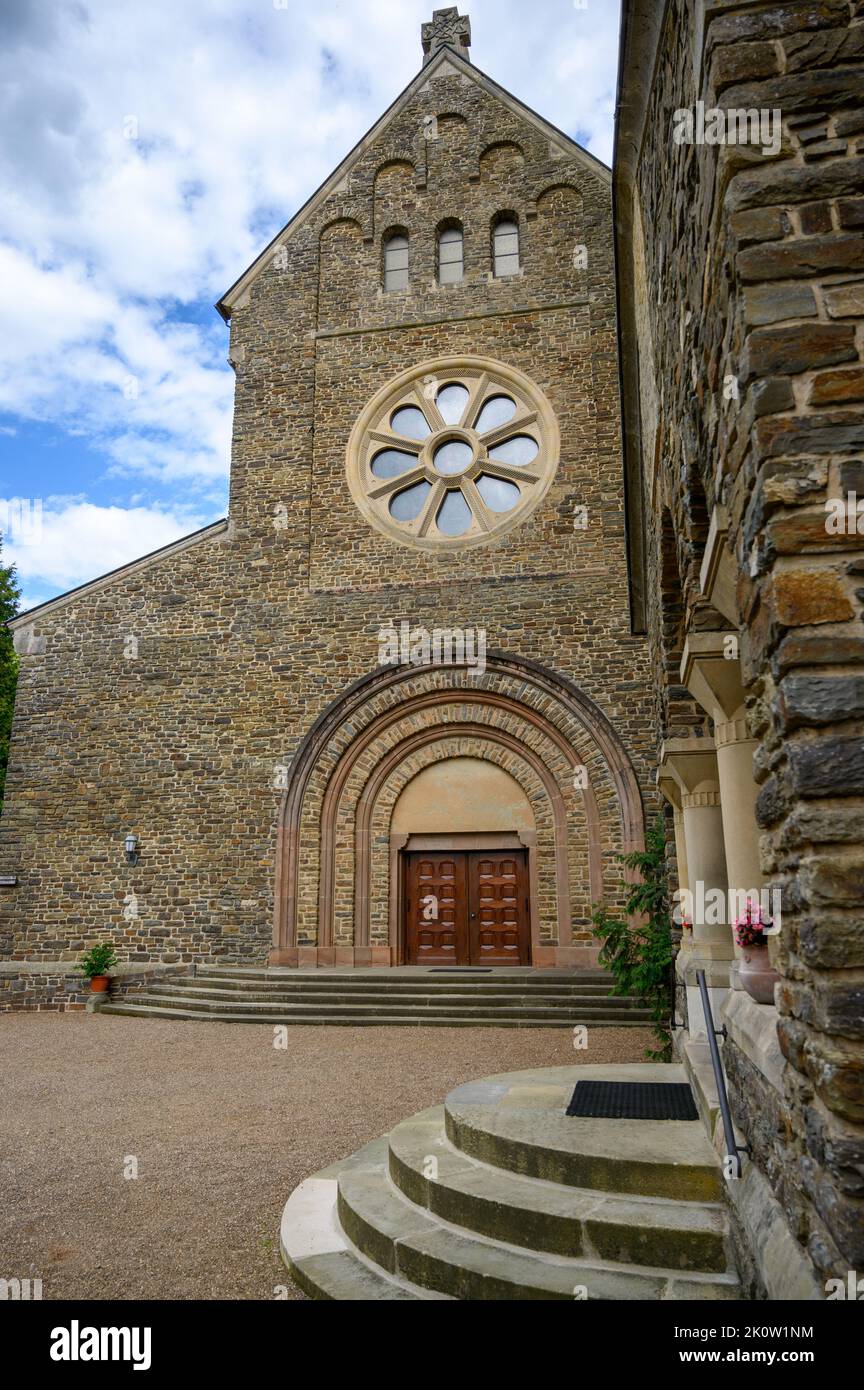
[(453, 454)]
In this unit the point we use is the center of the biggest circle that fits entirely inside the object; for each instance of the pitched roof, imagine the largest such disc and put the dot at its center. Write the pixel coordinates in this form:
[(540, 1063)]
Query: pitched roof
[(446, 57)]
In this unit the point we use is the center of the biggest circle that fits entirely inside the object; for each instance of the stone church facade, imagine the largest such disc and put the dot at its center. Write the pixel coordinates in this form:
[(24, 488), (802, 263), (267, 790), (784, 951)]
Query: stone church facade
[(392, 710)]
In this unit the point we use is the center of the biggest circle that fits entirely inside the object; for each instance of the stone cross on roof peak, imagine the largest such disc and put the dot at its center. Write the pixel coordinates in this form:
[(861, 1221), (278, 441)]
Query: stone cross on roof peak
[(450, 29)]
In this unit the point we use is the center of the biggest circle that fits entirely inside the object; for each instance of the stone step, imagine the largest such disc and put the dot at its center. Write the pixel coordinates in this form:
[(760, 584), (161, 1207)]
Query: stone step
[(324, 983), (569, 1016), (434, 999), (417, 1019), (322, 1260), (409, 975), (383, 984), (544, 1216), (517, 1122)]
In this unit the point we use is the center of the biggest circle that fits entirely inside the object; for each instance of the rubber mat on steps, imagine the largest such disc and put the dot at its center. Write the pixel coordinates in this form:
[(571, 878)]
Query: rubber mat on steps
[(632, 1100)]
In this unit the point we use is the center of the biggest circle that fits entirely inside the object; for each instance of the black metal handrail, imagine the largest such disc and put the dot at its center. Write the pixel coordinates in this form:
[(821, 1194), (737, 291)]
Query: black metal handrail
[(733, 1148)]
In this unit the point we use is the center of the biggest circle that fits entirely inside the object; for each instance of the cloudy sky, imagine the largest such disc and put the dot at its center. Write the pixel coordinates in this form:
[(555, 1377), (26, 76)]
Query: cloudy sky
[(149, 152)]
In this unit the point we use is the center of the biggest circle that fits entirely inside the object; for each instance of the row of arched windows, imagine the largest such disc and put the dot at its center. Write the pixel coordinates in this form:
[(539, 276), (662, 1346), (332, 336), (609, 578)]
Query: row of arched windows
[(451, 255)]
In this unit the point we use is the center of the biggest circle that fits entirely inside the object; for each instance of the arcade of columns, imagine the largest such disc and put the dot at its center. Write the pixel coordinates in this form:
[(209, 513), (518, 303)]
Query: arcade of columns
[(710, 785)]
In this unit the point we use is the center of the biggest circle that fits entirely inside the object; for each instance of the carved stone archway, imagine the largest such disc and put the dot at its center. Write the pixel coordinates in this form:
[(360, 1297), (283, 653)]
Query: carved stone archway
[(545, 721)]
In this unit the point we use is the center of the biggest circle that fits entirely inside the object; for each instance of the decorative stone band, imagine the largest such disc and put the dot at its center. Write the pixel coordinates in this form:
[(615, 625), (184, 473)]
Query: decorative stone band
[(696, 800), (732, 731)]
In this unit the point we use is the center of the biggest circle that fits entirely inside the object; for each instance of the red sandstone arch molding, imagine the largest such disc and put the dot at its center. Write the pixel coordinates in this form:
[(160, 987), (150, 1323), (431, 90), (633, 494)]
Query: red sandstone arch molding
[(573, 700), (366, 805), (397, 714)]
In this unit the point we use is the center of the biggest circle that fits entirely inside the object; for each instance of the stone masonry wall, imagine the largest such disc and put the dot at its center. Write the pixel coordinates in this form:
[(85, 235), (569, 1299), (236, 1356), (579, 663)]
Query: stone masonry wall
[(40, 990), (754, 268), (245, 637)]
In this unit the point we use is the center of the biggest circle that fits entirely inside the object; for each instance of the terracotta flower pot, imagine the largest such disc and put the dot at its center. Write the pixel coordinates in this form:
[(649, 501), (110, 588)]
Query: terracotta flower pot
[(757, 974), (99, 984)]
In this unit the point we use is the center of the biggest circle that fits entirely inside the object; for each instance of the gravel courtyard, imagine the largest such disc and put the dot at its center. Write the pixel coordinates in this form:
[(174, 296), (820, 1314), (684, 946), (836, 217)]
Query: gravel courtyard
[(223, 1127)]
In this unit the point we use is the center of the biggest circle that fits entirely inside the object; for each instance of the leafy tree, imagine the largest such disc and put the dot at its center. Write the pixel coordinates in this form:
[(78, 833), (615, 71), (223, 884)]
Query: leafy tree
[(10, 593), (640, 957)]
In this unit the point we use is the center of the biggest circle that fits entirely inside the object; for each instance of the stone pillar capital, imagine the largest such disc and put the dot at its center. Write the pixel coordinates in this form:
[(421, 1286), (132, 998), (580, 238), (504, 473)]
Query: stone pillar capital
[(694, 801), (691, 763), (732, 731), (668, 787), (711, 671)]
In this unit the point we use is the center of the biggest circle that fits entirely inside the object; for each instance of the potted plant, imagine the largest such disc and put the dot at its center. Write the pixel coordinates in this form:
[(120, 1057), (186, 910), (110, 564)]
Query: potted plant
[(96, 964), (755, 970)]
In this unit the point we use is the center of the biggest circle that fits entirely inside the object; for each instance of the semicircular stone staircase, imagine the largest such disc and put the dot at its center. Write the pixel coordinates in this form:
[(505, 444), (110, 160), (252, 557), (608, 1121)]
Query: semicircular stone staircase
[(499, 1195), (503, 998)]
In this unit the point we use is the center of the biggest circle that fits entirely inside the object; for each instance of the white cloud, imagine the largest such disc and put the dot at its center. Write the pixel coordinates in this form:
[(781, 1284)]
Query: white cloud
[(54, 545)]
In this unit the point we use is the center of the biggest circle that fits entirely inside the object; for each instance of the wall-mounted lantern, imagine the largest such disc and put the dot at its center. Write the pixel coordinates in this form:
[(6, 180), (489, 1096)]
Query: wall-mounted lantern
[(131, 847)]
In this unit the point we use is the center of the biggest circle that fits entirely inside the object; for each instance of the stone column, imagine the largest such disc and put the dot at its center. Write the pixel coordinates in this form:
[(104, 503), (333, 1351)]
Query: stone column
[(670, 790), (692, 764), (711, 671), (738, 791)]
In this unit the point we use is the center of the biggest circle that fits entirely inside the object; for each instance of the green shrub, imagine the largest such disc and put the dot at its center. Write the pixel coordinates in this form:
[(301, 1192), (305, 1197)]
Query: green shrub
[(640, 957)]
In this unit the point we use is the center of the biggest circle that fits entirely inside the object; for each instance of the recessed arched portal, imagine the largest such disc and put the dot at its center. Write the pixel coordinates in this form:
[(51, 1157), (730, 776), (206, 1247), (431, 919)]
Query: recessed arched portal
[(463, 847), (336, 876)]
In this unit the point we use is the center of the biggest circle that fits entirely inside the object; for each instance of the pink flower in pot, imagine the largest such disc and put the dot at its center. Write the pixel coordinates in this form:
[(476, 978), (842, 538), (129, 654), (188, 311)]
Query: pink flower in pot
[(755, 970)]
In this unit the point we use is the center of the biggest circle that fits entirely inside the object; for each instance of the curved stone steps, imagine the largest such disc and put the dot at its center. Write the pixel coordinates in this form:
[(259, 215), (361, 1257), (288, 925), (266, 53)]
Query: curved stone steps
[(548, 1216), (413, 1216), (433, 1255)]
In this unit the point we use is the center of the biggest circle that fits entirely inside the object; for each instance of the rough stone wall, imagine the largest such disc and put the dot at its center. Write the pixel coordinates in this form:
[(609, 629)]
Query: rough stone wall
[(37, 991), (244, 638), (755, 264)]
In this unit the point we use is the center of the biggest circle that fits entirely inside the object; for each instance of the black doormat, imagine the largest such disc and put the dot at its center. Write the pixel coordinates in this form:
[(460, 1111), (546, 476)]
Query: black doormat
[(633, 1100)]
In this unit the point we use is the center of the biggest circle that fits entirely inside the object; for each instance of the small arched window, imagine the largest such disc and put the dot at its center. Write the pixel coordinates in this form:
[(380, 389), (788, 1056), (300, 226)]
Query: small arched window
[(396, 262), (451, 256), (505, 240)]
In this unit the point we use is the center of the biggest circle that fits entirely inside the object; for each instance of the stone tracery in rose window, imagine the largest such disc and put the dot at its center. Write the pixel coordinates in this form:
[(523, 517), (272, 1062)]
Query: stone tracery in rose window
[(453, 454)]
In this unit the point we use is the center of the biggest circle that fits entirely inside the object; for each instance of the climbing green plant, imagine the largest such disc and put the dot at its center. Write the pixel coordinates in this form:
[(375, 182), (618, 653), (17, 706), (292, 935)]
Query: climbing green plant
[(9, 596), (640, 957)]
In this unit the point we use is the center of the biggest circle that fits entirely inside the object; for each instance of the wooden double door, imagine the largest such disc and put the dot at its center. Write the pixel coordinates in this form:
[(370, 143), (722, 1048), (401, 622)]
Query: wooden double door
[(467, 908)]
